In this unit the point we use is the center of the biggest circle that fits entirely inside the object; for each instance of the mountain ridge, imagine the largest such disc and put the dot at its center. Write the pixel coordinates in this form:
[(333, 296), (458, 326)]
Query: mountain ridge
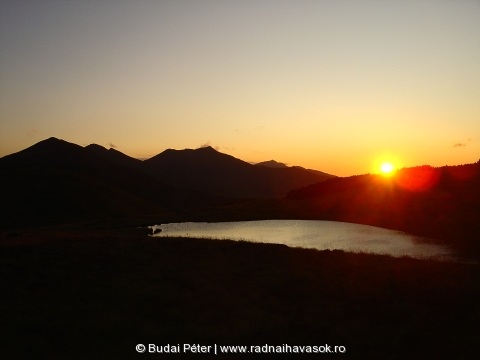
[(223, 175), (272, 163), (57, 181)]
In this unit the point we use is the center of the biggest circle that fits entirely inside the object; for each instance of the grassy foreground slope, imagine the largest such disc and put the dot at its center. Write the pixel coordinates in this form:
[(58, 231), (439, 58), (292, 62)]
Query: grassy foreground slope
[(96, 295)]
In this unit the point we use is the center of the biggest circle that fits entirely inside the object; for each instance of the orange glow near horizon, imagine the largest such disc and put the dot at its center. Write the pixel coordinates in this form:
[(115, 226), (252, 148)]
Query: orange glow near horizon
[(386, 165), (420, 178), (244, 78)]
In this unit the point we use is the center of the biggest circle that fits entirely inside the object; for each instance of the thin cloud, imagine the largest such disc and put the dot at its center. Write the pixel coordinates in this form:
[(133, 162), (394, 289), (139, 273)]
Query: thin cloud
[(209, 143), (463, 144), (226, 148)]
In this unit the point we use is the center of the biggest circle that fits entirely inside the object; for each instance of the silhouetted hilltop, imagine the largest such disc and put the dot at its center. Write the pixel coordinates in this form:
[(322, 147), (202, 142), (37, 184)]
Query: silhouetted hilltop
[(213, 172), (276, 164), (272, 164), (203, 158), (55, 181), (435, 202), (115, 156), (47, 152)]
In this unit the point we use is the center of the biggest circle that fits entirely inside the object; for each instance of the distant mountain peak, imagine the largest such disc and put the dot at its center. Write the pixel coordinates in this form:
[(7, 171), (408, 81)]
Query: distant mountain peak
[(207, 148), (272, 164), (203, 170), (95, 146), (52, 139), (53, 144)]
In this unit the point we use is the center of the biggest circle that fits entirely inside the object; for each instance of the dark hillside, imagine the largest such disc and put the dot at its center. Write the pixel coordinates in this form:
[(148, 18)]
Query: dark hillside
[(55, 181), (115, 156), (96, 296), (435, 202), (272, 164), (52, 152), (212, 172)]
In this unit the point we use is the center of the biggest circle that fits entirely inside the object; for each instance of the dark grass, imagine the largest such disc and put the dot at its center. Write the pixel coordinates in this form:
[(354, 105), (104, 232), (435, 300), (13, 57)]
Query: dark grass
[(78, 294)]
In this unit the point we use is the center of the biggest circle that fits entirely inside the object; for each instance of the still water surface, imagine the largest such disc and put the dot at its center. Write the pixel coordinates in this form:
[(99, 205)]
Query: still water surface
[(314, 234)]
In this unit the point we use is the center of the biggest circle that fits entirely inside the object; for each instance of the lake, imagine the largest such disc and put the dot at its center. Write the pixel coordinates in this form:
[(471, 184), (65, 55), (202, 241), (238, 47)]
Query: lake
[(314, 234)]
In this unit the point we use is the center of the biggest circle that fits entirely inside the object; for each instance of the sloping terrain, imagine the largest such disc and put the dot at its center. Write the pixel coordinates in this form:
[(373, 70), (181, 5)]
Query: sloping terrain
[(96, 296), (435, 202), (55, 181), (212, 172)]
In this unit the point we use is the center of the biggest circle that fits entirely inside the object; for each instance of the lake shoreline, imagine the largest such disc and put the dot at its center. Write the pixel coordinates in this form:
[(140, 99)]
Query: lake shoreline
[(97, 293), (312, 234)]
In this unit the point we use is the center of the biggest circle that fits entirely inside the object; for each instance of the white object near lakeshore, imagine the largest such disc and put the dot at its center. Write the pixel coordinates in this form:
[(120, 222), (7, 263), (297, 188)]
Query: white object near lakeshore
[(315, 234)]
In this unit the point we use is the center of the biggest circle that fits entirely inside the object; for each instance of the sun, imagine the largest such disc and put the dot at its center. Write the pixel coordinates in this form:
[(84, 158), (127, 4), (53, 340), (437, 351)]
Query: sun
[(386, 165), (387, 168)]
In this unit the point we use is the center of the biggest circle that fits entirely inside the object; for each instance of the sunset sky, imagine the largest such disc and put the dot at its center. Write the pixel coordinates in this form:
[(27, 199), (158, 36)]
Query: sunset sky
[(330, 85)]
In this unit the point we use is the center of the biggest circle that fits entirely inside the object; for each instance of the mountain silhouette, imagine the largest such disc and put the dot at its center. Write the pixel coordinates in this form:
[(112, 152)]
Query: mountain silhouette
[(56, 181), (115, 156), (276, 164), (215, 173), (272, 164)]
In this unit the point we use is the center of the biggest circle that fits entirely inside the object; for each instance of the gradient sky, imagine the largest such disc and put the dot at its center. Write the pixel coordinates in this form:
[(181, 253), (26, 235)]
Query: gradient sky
[(330, 85)]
